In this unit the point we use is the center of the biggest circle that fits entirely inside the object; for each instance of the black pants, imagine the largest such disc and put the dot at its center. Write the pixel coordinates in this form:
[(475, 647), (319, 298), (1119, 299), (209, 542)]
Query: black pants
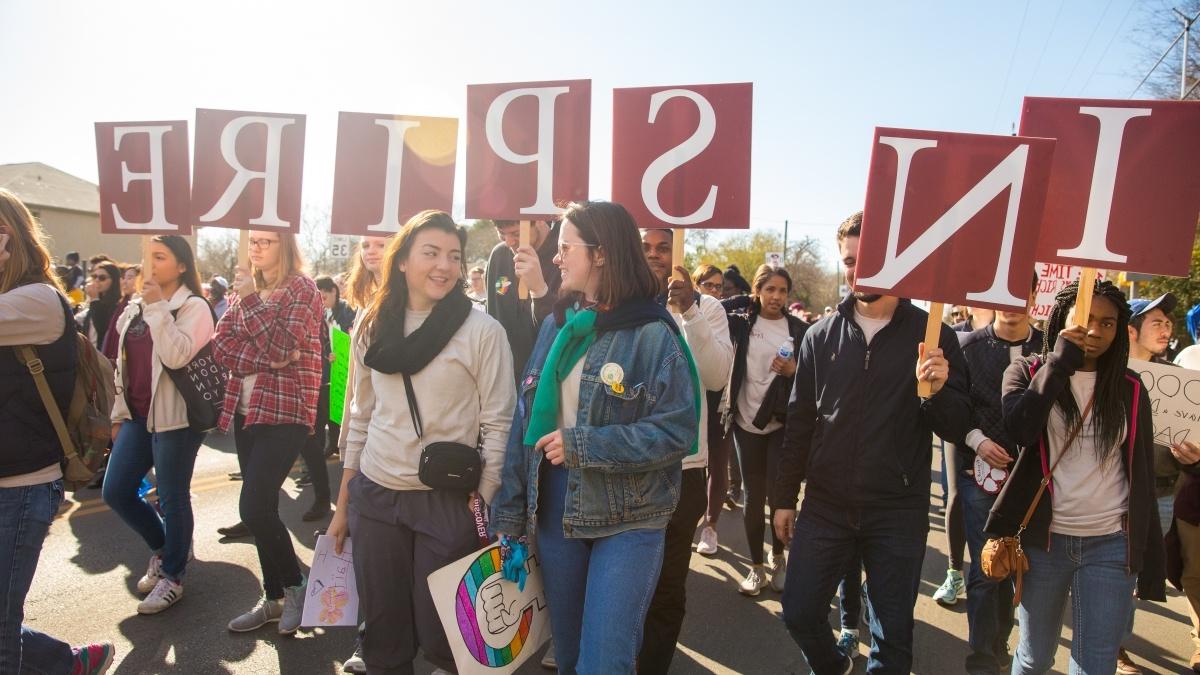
[(313, 452), (664, 619), (265, 456), (759, 455), (400, 537)]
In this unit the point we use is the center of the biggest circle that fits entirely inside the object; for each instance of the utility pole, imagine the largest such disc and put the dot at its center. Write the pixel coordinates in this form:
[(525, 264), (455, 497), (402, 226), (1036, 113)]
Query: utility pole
[(785, 226), (1187, 33)]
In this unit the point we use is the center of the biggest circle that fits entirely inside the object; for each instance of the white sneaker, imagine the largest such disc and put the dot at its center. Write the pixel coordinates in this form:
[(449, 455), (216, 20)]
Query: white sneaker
[(548, 661), (153, 575), (164, 594), (293, 607), (708, 541), (778, 572), (355, 663), (755, 581)]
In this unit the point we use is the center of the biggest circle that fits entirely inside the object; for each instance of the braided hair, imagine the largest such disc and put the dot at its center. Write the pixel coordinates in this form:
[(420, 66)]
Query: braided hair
[(1112, 394)]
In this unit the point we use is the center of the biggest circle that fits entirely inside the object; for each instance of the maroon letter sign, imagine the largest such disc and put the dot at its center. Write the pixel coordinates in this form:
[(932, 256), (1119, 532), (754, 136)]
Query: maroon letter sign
[(144, 183), (1125, 190), (953, 217), (681, 155), (389, 168), (248, 170), (527, 148)]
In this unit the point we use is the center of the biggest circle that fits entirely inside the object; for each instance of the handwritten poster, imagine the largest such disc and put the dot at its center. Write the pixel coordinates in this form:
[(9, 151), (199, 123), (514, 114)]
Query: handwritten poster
[(493, 626), (339, 372), (1174, 400), (1052, 278), (332, 598)]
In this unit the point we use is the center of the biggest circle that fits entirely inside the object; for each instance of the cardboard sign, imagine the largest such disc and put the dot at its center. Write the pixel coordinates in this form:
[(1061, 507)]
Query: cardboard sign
[(1052, 278), (1174, 400), (389, 168), (493, 626), (332, 598), (145, 187), (339, 373), (681, 155), (527, 148), (1125, 190), (952, 217), (249, 168)]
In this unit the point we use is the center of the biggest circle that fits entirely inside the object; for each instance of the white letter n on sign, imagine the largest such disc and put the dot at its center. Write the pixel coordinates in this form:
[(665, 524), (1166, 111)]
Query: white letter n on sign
[(1009, 173)]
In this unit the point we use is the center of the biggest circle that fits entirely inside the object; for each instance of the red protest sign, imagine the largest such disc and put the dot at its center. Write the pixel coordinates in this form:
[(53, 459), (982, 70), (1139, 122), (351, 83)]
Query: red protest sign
[(389, 168), (953, 217), (1125, 189), (144, 183), (681, 155), (527, 148), (248, 168)]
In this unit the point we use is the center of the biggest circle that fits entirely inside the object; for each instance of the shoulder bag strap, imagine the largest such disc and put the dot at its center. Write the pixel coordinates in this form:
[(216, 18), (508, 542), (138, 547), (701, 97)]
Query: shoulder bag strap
[(28, 355), (1046, 479), (412, 406)]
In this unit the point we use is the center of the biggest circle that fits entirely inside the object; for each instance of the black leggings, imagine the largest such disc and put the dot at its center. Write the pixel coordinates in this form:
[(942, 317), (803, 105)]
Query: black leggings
[(759, 457), (956, 532), (313, 452)]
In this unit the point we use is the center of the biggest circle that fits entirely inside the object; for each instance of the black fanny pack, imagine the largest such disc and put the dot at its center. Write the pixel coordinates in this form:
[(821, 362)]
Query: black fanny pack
[(454, 467)]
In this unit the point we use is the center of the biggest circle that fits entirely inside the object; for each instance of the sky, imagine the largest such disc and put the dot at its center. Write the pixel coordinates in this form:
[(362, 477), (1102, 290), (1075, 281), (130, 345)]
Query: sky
[(825, 75)]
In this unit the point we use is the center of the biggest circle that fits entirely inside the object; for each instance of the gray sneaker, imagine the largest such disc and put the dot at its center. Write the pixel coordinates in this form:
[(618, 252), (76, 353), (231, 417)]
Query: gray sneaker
[(263, 613), (293, 607)]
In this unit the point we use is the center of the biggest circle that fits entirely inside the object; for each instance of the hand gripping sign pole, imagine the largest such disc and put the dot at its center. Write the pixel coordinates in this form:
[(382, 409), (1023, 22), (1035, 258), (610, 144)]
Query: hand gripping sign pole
[(933, 333)]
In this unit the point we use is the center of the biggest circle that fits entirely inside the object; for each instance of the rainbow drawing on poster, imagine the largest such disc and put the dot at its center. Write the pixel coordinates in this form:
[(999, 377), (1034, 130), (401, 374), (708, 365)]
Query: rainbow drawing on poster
[(487, 564)]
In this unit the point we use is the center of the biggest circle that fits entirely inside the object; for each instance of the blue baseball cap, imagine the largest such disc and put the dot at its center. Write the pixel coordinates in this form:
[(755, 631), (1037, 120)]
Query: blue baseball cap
[(1166, 302)]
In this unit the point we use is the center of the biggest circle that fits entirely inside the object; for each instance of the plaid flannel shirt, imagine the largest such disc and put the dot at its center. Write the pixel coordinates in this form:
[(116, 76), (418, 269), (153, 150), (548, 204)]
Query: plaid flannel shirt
[(254, 333)]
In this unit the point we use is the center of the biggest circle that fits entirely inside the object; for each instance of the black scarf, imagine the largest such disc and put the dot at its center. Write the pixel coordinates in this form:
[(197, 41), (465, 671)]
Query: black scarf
[(391, 352)]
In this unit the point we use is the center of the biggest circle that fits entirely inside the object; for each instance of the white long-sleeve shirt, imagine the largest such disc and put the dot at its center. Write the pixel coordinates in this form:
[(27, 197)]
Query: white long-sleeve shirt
[(467, 390), (706, 330)]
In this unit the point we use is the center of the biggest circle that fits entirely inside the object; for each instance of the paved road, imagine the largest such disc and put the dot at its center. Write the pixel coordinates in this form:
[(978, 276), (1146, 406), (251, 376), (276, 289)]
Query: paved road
[(84, 590)]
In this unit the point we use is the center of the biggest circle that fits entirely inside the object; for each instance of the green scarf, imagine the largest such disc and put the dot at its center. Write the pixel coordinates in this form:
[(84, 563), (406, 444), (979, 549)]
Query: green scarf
[(569, 346)]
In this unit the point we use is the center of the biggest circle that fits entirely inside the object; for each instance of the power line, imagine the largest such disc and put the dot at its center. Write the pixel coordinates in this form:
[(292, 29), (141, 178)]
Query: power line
[(1037, 66), (1087, 44), (1108, 46), (1011, 59)]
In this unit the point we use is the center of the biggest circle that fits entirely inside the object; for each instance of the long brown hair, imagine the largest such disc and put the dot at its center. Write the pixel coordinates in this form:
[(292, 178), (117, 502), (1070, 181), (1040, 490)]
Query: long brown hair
[(609, 228), (393, 287), (291, 261), (29, 261), (360, 283), (179, 247)]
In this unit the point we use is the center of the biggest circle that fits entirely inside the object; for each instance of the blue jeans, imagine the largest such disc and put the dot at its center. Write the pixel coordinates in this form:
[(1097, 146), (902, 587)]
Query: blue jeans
[(598, 589), (25, 515), (989, 603), (891, 544), (1092, 570), (172, 454)]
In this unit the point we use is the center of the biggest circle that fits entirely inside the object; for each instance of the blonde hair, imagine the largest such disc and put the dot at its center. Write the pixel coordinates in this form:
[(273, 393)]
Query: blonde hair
[(360, 283), (291, 261), (29, 261)]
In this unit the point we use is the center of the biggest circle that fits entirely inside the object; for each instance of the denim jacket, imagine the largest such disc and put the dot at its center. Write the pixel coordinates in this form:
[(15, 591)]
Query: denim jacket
[(624, 454)]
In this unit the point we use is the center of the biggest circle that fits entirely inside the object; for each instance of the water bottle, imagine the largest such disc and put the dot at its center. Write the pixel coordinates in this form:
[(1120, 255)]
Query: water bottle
[(787, 349)]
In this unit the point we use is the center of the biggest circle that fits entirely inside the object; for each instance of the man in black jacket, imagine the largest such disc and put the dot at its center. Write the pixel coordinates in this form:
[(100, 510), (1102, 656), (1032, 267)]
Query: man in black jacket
[(859, 434), (505, 266), (984, 457)]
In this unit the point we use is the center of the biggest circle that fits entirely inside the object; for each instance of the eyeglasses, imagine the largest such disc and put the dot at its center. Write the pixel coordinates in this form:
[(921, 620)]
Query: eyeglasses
[(564, 247), (100, 277), (262, 243), (712, 285)]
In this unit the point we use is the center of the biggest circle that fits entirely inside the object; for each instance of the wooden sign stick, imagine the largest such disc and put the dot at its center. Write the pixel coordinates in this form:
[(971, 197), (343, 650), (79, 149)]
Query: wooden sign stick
[(243, 254), (1083, 301), (522, 288), (146, 261), (933, 334), (677, 251)]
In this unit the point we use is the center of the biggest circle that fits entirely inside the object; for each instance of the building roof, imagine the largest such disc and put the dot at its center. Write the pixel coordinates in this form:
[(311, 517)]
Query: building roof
[(38, 184)]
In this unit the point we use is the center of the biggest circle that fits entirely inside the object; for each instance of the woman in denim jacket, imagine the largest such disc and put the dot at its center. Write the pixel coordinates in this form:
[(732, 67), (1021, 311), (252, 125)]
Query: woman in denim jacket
[(608, 408)]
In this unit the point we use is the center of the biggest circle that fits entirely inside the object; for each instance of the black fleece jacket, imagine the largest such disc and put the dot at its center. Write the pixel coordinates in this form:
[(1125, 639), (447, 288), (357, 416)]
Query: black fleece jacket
[(856, 429), (1028, 399)]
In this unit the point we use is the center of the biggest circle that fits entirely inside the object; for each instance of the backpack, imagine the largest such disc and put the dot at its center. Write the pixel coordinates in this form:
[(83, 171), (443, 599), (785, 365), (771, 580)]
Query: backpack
[(86, 432)]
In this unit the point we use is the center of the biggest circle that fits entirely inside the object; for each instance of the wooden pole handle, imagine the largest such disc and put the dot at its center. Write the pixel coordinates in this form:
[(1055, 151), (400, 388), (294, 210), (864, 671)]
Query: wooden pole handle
[(147, 261), (243, 254), (522, 287), (933, 335), (1083, 301), (677, 251)]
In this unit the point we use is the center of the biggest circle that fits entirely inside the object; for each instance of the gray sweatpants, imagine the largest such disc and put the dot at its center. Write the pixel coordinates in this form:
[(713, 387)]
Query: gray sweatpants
[(400, 537)]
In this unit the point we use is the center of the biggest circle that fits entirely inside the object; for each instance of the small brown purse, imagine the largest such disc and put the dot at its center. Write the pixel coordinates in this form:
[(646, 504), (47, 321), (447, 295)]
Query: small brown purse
[(1003, 557)]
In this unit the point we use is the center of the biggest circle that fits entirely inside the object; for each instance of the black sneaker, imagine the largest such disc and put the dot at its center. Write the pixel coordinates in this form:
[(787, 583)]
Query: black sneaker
[(317, 512), (234, 531)]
